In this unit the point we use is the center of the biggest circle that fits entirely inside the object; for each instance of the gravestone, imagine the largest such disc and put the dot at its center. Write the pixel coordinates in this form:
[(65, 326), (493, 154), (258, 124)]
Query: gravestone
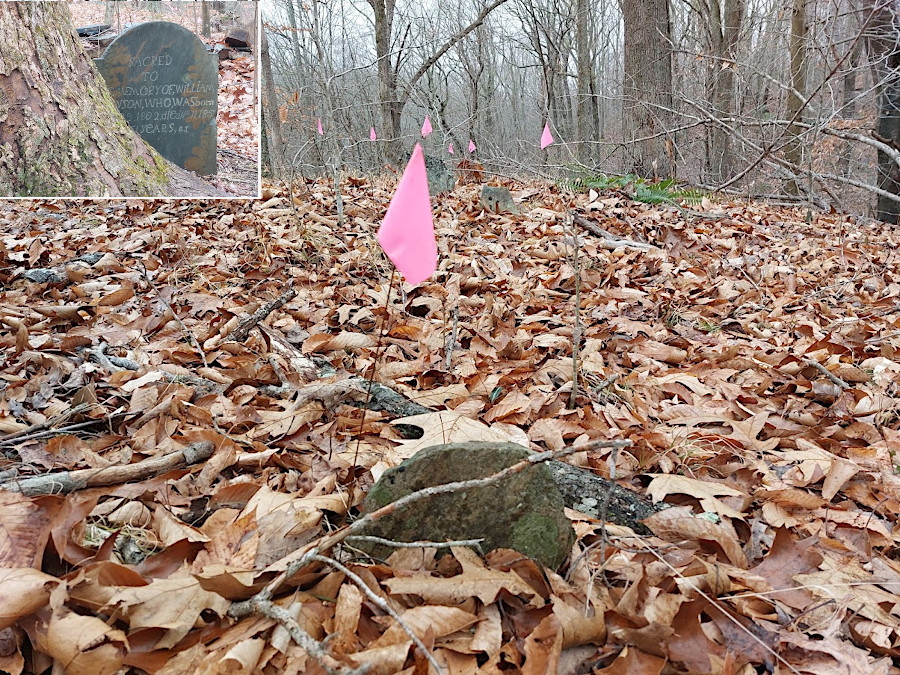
[(165, 84)]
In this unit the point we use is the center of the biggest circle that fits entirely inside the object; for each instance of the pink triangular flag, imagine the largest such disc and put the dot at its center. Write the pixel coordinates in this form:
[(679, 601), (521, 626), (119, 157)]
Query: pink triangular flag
[(407, 233), (471, 145), (426, 128), (450, 149), (372, 134), (546, 137), (321, 133)]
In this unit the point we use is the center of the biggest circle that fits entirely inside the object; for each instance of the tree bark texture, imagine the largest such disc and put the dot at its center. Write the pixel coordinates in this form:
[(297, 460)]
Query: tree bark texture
[(60, 132), (647, 88), (274, 141), (387, 82), (797, 49), (726, 17), (587, 129), (883, 45)]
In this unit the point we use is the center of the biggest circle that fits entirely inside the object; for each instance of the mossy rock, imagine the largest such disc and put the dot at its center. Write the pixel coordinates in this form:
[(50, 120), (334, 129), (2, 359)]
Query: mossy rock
[(522, 512)]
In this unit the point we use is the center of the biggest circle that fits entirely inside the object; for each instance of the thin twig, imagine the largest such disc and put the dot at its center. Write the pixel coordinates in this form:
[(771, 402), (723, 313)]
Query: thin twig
[(714, 602), (47, 424), (576, 331), (306, 641), (474, 543), (65, 429), (380, 602), (827, 373), (450, 344)]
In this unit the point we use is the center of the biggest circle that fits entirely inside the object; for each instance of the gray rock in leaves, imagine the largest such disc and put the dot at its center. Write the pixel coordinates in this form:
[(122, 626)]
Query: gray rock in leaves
[(523, 512)]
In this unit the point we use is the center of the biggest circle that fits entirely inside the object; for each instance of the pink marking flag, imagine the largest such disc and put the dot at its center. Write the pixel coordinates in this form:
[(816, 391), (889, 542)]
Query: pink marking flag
[(471, 145), (321, 133), (546, 137), (407, 233), (450, 148), (372, 134), (426, 128)]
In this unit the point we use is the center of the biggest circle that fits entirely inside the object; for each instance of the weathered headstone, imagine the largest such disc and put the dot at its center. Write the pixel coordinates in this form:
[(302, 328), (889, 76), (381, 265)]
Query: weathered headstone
[(165, 84)]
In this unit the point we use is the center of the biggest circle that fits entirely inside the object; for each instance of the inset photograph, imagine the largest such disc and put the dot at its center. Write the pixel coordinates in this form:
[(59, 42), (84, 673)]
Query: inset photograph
[(139, 98)]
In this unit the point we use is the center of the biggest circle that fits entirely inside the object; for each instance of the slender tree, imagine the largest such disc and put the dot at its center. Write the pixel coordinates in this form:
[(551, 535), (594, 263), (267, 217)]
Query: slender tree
[(394, 96), (884, 47), (796, 101)]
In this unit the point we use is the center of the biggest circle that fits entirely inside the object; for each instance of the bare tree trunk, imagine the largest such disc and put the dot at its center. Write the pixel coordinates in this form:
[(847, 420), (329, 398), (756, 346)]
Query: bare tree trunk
[(204, 14), (884, 47), (725, 26), (392, 99), (797, 48), (586, 131), (275, 140), (848, 109), (295, 35), (648, 88), (61, 134), (110, 12), (387, 82)]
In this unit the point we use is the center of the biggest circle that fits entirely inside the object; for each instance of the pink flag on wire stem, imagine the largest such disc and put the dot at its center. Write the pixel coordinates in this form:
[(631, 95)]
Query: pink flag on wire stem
[(407, 233), (546, 137), (321, 133), (450, 149), (426, 128), (471, 145), (372, 134)]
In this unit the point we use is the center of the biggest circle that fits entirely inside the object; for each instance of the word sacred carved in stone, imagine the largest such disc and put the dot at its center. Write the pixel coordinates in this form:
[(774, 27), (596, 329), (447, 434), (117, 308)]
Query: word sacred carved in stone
[(165, 84)]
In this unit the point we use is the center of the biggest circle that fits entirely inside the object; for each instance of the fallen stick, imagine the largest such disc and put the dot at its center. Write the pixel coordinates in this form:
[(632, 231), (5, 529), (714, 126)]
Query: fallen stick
[(609, 240), (47, 424), (240, 333), (827, 373), (35, 432), (64, 482)]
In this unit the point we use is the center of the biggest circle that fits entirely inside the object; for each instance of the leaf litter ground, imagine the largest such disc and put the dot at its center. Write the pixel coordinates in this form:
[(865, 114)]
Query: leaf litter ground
[(750, 356)]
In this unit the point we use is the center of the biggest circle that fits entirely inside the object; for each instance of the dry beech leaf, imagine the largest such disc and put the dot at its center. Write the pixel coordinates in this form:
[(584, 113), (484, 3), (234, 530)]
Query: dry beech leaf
[(671, 526), (475, 581), (23, 591), (83, 645)]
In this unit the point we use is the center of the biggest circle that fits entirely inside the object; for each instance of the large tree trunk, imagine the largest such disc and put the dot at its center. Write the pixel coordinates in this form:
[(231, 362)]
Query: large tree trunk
[(848, 110), (725, 26), (648, 88), (884, 47), (60, 132)]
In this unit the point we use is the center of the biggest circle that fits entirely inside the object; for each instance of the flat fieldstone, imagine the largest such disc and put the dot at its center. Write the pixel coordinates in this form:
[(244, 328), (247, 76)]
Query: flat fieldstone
[(523, 512)]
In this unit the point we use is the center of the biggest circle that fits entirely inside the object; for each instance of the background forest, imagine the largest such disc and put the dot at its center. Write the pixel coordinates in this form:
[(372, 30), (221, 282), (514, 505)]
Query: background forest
[(755, 97)]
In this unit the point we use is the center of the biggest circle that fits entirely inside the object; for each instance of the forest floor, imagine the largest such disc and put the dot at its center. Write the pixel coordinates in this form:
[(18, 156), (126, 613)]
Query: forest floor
[(237, 121), (752, 358)]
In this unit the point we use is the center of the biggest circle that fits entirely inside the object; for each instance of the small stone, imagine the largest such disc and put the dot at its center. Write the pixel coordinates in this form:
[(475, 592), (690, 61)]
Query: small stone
[(497, 200)]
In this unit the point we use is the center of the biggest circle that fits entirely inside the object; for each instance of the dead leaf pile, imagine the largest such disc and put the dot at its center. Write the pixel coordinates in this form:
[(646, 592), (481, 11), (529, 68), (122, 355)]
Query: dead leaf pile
[(752, 359)]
